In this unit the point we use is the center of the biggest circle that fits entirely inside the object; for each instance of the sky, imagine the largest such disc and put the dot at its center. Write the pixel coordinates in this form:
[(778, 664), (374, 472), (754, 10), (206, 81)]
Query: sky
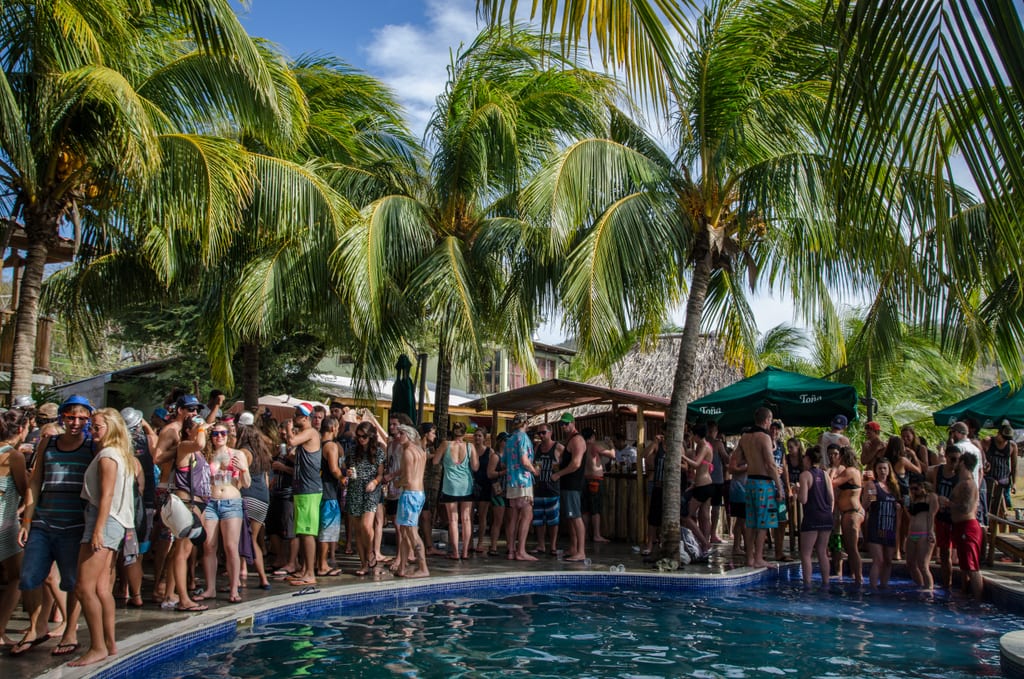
[(408, 45)]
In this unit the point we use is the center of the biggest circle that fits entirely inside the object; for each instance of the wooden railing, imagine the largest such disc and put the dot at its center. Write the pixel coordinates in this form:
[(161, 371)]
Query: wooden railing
[(44, 337)]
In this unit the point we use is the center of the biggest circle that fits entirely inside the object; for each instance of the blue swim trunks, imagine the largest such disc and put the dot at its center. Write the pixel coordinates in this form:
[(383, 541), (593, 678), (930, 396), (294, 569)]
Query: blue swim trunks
[(410, 504), (762, 506), (546, 511)]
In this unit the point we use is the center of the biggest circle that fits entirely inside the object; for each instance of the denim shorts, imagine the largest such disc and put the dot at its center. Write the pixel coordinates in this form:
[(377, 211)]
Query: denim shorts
[(223, 509), (113, 532), (44, 547)]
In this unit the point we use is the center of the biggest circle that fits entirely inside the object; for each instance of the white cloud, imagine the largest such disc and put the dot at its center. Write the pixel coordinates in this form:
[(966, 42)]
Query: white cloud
[(412, 58)]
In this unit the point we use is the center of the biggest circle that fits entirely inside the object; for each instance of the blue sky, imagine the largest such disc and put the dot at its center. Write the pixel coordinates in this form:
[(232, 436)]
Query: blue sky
[(407, 43)]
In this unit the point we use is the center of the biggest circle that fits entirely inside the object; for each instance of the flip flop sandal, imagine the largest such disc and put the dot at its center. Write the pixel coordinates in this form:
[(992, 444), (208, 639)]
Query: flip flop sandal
[(26, 646), (64, 649)]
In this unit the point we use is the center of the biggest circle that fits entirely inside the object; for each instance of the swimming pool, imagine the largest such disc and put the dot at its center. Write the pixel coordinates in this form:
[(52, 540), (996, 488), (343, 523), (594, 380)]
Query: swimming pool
[(772, 628)]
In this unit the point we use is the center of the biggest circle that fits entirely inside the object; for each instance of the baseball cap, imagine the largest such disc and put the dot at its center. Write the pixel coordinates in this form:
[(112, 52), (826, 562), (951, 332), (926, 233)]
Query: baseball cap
[(161, 413), (304, 409), (246, 419), (840, 422), (873, 426), (566, 418), (959, 427), (188, 401)]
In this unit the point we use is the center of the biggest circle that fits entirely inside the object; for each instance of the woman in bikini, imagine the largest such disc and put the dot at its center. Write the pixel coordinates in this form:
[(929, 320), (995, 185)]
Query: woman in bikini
[(847, 485), (903, 463), (256, 498), (460, 462), (921, 539), (223, 516), (364, 478), (698, 517), (192, 485), (884, 500)]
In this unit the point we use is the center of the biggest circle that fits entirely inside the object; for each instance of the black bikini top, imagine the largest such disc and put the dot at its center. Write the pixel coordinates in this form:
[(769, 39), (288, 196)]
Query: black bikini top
[(917, 508), (849, 485)]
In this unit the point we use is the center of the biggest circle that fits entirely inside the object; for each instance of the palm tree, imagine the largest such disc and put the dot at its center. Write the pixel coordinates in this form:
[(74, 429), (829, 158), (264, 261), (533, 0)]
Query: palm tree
[(449, 253), (271, 276), (106, 109), (740, 200)]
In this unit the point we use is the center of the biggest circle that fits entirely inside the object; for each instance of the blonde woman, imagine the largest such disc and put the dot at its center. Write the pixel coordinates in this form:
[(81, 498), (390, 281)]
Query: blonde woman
[(110, 513), (223, 515)]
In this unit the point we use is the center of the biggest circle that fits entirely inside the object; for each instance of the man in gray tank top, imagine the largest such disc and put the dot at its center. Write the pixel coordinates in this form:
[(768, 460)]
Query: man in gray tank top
[(307, 489)]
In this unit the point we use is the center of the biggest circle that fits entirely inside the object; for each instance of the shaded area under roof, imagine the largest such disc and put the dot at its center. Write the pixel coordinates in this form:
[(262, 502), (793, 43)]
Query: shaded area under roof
[(560, 394)]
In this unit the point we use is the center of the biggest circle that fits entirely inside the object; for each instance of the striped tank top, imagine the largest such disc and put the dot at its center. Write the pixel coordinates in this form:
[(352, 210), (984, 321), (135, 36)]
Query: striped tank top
[(60, 506)]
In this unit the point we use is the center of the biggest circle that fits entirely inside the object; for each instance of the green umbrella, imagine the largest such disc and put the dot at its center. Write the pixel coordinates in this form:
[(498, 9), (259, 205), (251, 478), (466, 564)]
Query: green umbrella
[(990, 407), (796, 399), (403, 397)]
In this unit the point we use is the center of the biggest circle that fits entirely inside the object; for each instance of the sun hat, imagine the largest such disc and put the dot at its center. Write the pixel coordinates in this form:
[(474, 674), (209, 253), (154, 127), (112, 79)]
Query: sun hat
[(246, 419), (840, 422), (24, 401), (47, 410), (304, 409), (132, 417), (76, 400), (873, 426), (566, 418)]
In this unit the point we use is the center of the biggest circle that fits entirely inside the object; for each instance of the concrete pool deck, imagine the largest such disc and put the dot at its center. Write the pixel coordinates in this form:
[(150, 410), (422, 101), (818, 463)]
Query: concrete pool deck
[(140, 628)]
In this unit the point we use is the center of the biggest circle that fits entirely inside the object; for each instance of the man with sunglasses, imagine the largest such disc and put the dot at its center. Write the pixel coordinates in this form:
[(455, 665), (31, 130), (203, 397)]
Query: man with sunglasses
[(53, 523), (546, 491), (186, 406)]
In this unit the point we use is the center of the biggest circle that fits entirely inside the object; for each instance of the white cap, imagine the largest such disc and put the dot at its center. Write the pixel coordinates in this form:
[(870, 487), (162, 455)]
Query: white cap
[(247, 419)]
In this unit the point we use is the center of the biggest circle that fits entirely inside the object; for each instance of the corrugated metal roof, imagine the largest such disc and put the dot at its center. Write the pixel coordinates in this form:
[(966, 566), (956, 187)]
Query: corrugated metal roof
[(560, 394)]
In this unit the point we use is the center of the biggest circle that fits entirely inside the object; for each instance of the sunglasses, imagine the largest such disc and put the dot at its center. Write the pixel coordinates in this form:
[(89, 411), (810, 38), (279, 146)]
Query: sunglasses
[(545, 431), (219, 432), (363, 437), (191, 409)]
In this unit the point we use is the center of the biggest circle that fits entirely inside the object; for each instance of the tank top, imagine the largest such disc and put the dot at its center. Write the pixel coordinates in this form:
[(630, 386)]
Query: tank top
[(307, 479), (545, 463), (718, 466), (9, 501), (458, 476), (60, 506), (817, 509), (122, 507), (574, 480), (145, 458), (331, 485), (194, 477), (480, 475), (882, 522), (944, 488), (999, 462)]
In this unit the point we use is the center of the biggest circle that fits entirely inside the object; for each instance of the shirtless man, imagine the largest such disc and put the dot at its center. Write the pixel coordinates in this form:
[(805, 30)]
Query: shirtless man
[(164, 454), (572, 470), (410, 504), (967, 533), (873, 446), (764, 486)]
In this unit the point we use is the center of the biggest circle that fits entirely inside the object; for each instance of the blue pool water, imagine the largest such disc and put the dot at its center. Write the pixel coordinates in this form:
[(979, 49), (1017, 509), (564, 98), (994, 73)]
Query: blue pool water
[(775, 629)]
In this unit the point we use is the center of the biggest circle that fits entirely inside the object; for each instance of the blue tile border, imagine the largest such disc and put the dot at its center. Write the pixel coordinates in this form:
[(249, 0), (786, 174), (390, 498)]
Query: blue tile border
[(349, 601)]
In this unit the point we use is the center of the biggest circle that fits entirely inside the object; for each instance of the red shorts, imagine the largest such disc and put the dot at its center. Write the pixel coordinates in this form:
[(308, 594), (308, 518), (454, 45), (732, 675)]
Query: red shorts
[(943, 535), (967, 536)]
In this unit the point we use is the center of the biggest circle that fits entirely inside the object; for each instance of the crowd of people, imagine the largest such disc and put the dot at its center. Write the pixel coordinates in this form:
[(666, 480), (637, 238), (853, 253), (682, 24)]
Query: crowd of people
[(87, 494)]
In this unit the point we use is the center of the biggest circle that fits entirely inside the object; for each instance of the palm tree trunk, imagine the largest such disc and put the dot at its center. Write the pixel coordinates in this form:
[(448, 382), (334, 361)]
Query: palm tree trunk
[(442, 392), (251, 375), (27, 319), (682, 391)]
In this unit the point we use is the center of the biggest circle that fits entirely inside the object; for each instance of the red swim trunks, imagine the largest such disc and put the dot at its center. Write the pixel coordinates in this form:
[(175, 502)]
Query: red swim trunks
[(967, 536)]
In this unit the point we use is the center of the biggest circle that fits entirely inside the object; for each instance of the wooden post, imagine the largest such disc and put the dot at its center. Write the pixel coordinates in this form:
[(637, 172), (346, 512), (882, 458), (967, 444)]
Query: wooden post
[(638, 502)]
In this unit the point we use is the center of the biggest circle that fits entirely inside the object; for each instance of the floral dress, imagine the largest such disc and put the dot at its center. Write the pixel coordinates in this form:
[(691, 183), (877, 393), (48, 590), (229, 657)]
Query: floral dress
[(359, 500)]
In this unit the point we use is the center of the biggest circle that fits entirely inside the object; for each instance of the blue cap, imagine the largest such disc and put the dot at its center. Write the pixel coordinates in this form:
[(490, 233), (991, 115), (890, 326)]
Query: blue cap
[(188, 401), (75, 400), (840, 422), (161, 413)]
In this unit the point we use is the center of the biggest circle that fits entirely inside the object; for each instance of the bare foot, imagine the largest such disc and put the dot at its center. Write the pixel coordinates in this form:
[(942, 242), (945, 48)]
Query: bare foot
[(600, 538), (435, 552), (525, 557), (422, 573), (92, 656)]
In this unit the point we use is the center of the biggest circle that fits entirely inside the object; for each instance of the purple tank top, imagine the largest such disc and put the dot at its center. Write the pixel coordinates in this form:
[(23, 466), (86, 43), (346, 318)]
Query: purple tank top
[(817, 510)]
